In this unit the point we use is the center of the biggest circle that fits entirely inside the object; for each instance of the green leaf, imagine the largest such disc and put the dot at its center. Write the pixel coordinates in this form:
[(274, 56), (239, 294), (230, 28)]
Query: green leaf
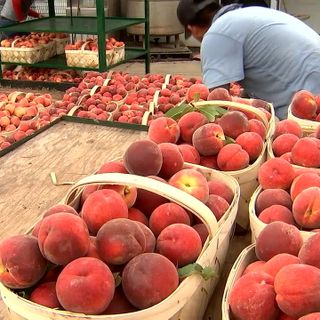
[(196, 97), (206, 273), (117, 278), (229, 140), (210, 116), (177, 112)]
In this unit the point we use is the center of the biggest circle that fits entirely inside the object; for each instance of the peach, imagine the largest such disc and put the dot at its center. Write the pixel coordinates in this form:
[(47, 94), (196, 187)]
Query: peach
[(128, 193), (189, 153), (136, 215), (209, 162), (189, 123), (268, 244), (253, 297), (87, 190), (218, 187), (165, 215), (21, 262), (59, 208), (217, 205), (304, 105), (255, 266), (233, 123), (310, 251), (143, 158), (46, 295), (276, 173), (258, 103), (284, 316), (93, 251), (258, 127), (202, 231), (119, 303), (208, 139), (296, 286), (147, 201), (180, 243), (102, 206), (269, 197), (119, 240), (112, 166), (63, 237), (148, 279), (311, 316), (252, 143), (287, 156), (85, 285), (192, 182), (150, 238), (306, 152), (306, 208), (232, 157), (164, 129), (276, 212), (288, 126), (219, 94), (197, 91), (276, 263), (283, 144), (304, 181), (172, 160)]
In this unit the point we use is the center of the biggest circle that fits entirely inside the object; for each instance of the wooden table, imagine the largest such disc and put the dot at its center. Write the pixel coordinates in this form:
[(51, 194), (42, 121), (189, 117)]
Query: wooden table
[(71, 150)]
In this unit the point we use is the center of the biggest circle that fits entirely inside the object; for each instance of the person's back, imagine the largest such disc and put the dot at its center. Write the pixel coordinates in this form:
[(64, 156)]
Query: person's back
[(255, 43), (15, 10)]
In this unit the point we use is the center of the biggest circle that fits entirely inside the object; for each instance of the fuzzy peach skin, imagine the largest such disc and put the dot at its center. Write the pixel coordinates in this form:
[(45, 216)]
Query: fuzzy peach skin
[(268, 244), (276, 212), (306, 152), (192, 182), (253, 298), (21, 262), (233, 123), (304, 181), (306, 208), (208, 139), (119, 240), (189, 123), (189, 153), (148, 279), (232, 157), (276, 173), (252, 143), (85, 285), (63, 237), (297, 289), (164, 129), (46, 295), (149, 236), (288, 126)]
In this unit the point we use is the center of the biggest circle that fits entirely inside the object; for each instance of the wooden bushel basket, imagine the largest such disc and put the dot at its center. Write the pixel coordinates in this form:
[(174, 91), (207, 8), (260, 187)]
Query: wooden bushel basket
[(190, 299), (256, 225), (247, 256), (307, 126)]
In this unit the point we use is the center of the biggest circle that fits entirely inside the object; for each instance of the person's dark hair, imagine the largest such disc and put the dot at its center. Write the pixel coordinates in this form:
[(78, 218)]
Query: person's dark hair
[(204, 17)]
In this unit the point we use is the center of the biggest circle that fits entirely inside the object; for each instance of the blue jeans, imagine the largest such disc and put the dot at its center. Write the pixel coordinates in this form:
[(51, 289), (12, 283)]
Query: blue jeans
[(4, 23)]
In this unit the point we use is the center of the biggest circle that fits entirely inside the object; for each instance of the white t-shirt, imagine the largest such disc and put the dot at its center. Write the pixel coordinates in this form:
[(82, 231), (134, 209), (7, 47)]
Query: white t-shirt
[(270, 53)]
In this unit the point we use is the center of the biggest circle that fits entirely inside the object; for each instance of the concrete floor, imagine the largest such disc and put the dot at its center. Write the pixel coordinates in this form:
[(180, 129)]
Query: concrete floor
[(185, 68)]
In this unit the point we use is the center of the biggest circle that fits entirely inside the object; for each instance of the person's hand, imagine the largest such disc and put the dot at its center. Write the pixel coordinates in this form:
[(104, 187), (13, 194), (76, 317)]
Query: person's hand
[(41, 16)]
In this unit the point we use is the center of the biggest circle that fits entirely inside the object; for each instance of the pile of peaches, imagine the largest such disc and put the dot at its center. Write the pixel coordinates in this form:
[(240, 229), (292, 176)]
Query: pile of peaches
[(43, 74), (122, 248), (92, 44), (283, 283), (305, 105), (20, 115)]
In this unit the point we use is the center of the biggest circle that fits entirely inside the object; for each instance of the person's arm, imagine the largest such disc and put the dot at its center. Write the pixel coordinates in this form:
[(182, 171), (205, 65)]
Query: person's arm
[(33, 13), (221, 60)]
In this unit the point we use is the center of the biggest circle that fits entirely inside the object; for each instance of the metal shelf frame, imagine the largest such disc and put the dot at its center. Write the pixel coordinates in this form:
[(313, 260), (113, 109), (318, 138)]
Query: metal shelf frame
[(99, 25)]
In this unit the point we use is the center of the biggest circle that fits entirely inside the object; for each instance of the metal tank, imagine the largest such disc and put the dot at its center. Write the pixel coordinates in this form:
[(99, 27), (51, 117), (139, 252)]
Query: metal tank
[(163, 17)]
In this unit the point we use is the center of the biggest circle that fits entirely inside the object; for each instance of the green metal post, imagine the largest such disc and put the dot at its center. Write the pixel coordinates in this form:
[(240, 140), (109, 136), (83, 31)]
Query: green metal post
[(147, 36), (52, 12), (101, 35)]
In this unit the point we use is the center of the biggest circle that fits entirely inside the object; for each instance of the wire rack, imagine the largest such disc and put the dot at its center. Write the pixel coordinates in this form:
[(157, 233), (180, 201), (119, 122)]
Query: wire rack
[(41, 6)]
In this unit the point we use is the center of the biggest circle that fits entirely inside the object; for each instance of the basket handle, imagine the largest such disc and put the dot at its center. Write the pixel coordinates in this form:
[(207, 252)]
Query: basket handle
[(170, 192), (14, 42), (66, 74), (84, 45), (13, 96), (237, 105)]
